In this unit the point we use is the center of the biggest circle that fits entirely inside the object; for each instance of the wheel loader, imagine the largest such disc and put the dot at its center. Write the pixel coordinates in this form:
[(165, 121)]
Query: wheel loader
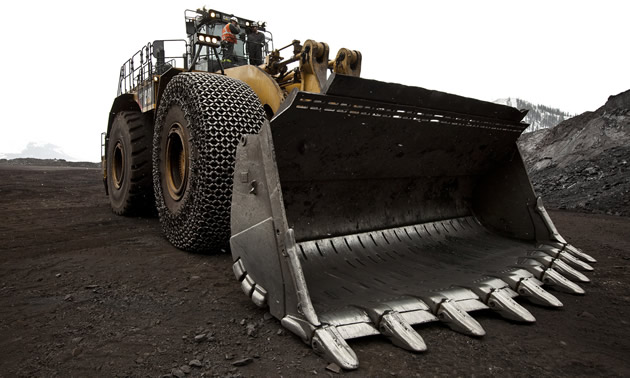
[(351, 207)]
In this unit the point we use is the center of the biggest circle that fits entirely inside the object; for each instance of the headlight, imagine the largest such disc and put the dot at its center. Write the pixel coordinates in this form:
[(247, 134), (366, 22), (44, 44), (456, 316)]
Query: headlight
[(247, 23), (213, 15), (208, 40)]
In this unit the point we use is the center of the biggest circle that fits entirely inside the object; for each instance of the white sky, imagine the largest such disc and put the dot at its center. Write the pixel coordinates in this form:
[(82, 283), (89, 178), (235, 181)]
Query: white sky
[(62, 58)]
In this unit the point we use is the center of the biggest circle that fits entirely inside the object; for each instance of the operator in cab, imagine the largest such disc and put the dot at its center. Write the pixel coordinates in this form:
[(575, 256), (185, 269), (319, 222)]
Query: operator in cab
[(228, 36)]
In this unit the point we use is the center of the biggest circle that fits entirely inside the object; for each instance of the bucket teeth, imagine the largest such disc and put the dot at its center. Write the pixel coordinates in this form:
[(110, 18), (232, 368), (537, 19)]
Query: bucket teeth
[(393, 326), (578, 264), (331, 345), (526, 285), (458, 320), (531, 290), (559, 241), (497, 295), (575, 262), (559, 265), (571, 273), (566, 257), (552, 277), (566, 247), (508, 308), (577, 253)]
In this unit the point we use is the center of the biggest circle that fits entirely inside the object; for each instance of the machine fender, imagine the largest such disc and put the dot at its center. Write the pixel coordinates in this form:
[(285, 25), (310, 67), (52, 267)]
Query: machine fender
[(266, 88), (123, 102)]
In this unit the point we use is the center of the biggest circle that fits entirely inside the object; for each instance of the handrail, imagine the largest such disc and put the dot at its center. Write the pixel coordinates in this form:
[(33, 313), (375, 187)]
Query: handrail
[(145, 63)]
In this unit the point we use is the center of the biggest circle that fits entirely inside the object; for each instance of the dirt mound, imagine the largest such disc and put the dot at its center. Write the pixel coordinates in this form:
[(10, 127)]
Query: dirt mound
[(583, 163)]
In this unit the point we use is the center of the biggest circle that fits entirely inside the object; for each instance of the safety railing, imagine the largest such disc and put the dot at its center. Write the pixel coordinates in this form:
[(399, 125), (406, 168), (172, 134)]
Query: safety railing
[(149, 60)]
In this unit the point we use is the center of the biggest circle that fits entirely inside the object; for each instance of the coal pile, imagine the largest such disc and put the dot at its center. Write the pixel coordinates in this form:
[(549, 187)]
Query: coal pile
[(583, 164), (594, 186)]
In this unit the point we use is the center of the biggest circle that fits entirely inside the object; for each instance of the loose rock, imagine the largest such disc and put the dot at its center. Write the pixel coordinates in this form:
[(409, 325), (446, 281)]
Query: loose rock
[(251, 330), (334, 368), (243, 362), (195, 363), (178, 373)]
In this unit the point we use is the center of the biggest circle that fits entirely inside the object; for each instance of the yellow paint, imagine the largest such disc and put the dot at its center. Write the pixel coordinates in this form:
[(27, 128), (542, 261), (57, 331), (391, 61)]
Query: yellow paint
[(267, 89)]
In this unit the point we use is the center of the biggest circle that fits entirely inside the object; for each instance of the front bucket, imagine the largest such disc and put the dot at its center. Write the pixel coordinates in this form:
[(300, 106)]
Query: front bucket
[(375, 206)]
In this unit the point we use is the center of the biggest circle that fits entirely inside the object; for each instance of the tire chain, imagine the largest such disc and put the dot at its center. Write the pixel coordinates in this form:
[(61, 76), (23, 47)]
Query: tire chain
[(218, 110)]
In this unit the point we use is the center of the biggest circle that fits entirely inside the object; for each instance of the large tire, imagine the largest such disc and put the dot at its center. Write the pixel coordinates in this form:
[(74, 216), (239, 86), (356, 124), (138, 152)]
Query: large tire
[(129, 178), (200, 120)]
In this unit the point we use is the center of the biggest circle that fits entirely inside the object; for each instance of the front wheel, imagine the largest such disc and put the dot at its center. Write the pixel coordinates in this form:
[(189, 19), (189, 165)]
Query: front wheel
[(200, 120)]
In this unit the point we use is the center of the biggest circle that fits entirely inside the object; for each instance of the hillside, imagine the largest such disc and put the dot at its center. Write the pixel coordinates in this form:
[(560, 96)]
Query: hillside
[(584, 163), (49, 163), (539, 116), (45, 151)]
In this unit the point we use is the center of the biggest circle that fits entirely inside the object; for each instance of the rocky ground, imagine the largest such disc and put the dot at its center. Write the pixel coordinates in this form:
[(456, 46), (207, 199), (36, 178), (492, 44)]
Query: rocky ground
[(86, 293)]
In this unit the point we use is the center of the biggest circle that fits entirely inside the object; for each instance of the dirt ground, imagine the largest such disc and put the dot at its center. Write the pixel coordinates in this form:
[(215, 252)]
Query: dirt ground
[(86, 293)]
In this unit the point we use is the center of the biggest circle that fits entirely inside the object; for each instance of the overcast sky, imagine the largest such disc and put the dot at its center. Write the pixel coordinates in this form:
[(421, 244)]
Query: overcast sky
[(62, 58)]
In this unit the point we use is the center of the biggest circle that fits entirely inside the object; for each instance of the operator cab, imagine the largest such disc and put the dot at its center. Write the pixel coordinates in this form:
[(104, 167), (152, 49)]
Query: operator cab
[(210, 23), (141, 72)]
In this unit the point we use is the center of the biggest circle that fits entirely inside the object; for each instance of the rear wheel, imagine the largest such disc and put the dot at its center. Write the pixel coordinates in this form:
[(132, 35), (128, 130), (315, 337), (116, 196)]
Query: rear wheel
[(129, 183), (200, 120)]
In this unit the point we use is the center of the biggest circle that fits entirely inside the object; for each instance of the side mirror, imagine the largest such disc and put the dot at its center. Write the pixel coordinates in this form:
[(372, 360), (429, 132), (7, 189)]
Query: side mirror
[(158, 49), (190, 27)]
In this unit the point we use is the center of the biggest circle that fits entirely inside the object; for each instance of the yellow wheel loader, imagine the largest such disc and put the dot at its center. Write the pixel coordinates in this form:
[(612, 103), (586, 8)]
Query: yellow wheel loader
[(351, 207)]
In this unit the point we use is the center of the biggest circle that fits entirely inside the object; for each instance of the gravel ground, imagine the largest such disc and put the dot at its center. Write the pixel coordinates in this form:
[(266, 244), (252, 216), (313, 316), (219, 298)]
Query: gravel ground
[(86, 293)]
